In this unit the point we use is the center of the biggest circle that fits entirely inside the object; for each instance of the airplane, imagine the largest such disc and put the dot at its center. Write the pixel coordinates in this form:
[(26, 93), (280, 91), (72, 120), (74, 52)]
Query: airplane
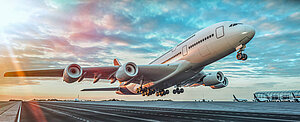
[(181, 66), (296, 99), (239, 100), (260, 99)]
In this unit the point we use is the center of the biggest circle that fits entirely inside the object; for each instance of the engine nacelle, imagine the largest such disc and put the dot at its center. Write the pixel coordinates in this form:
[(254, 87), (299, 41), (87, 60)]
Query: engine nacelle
[(220, 85), (126, 71), (213, 78), (72, 73)]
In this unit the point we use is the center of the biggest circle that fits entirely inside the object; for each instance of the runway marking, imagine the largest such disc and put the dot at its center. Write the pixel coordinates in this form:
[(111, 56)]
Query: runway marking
[(110, 114), (176, 111), (19, 113), (244, 117), (60, 112)]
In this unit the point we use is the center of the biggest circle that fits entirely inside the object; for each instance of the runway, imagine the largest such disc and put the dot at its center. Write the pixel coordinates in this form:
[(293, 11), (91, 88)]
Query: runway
[(109, 111)]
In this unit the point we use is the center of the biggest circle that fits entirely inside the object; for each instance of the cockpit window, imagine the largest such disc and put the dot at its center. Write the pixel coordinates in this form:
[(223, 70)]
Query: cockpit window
[(234, 24)]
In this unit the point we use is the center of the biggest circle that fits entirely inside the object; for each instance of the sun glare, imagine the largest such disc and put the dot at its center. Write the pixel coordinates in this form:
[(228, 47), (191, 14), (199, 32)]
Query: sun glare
[(10, 13)]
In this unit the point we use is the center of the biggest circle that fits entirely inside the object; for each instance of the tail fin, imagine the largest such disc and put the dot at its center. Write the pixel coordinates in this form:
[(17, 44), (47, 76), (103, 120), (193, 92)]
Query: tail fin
[(293, 95), (256, 98), (234, 97), (116, 62)]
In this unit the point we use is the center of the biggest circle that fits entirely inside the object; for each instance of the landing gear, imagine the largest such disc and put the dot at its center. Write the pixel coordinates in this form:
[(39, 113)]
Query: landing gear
[(240, 55), (147, 92), (178, 91), (162, 92)]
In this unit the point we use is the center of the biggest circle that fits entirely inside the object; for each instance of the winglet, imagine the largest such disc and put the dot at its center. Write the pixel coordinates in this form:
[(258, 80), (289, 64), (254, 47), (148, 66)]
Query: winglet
[(116, 62)]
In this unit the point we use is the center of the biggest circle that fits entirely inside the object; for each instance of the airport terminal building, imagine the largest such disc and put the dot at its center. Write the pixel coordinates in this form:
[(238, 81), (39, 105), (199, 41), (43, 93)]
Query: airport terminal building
[(278, 95)]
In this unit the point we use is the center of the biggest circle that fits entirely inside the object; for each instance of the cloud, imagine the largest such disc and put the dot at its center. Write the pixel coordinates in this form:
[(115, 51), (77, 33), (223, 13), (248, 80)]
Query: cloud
[(92, 33)]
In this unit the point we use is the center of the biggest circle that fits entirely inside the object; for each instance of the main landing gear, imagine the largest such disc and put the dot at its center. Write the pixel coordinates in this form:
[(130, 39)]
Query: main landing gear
[(147, 92), (240, 55), (162, 92), (178, 91)]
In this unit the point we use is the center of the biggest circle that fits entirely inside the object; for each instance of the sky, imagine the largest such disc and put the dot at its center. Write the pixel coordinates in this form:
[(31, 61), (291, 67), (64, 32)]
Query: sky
[(37, 34)]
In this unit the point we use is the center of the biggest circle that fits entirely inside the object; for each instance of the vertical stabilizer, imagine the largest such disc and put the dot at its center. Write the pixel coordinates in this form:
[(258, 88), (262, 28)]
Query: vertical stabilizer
[(116, 62), (235, 98), (255, 97), (293, 95)]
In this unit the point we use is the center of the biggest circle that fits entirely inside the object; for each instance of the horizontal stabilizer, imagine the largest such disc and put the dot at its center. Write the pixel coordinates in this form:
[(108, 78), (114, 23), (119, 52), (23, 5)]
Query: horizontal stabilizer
[(35, 73), (102, 89)]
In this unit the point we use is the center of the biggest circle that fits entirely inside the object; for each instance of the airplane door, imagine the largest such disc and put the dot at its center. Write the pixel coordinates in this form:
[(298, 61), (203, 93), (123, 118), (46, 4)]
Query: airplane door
[(219, 32), (184, 50)]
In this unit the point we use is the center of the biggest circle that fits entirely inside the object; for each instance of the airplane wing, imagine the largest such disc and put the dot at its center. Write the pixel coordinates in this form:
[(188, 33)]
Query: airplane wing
[(148, 72), (102, 89), (91, 71)]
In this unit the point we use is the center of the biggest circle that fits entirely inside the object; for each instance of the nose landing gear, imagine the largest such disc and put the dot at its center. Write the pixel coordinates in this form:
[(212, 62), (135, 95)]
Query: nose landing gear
[(240, 55)]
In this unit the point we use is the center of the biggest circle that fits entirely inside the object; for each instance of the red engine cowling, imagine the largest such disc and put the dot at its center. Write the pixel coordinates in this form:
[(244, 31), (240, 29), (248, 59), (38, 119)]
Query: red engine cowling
[(72, 73)]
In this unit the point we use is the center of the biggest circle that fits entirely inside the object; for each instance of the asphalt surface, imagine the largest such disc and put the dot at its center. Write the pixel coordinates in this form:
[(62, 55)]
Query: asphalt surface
[(4, 106), (68, 111)]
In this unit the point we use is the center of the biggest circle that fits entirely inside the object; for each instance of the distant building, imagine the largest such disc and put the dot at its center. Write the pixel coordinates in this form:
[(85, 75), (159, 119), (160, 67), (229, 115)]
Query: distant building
[(277, 96)]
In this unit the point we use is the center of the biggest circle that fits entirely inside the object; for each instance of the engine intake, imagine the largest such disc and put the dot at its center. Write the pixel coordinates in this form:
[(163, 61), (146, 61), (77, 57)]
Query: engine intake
[(213, 78), (72, 73), (126, 71), (221, 85)]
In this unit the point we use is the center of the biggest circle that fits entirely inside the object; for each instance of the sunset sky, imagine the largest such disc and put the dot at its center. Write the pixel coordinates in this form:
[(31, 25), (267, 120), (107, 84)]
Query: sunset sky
[(37, 34)]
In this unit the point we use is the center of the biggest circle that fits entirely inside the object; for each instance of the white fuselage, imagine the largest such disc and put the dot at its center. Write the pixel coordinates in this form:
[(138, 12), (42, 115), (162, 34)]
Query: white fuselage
[(200, 49), (205, 47), (209, 44)]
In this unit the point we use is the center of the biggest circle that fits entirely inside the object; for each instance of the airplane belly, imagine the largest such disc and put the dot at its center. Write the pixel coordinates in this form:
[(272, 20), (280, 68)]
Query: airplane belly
[(177, 79)]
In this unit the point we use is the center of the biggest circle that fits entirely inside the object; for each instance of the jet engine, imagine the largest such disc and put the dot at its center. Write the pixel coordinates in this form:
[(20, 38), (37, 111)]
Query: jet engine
[(213, 78), (126, 71), (221, 85), (72, 73)]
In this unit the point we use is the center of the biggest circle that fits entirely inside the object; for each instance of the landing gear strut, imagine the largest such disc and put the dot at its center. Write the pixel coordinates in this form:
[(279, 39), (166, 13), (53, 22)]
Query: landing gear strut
[(240, 55)]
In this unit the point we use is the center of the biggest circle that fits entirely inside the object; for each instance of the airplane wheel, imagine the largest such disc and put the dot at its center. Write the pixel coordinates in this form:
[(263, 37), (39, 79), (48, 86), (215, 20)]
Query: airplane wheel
[(174, 91), (157, 93), (239, 56), (167, 91), (178, 92), (181, 90), (152, 91), (244, 57), (162, 93), (138, 90)]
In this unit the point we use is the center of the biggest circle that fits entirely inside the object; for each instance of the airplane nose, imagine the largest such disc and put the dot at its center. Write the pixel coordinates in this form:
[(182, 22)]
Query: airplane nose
[(249, 31)]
